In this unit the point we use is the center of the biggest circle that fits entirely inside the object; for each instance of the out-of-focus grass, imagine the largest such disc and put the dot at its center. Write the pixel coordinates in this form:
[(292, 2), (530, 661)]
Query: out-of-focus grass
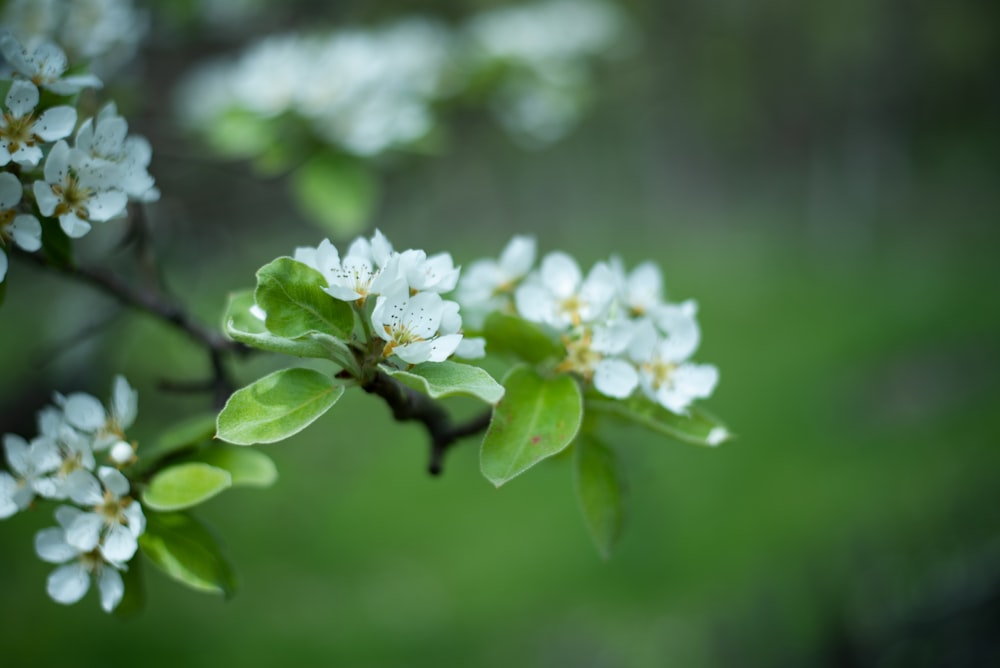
[(863, 478)]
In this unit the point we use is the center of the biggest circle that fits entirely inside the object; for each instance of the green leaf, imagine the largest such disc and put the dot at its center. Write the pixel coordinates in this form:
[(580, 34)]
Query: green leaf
[(184, 548), (248, 468), (446, 379), (516, 336), (292, 296), (244, 327), (185, 485), (240, 134), (337, 191), (537, 418), (599, 489), (277, 406), (193, 431), (698, 427)]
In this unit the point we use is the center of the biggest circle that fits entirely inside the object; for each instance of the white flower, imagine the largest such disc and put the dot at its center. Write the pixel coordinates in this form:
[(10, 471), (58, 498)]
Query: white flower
[(76, 193), (665, 375), (21, 132), (45, 66), (368, 268), (593, 354), (104, 141), (409, 326), (641, 290), (436, 273), (116, 520), (29, 463), (486, 284), (74, 450), (469, 348), (21, 228), (559, 296), (68, 583)]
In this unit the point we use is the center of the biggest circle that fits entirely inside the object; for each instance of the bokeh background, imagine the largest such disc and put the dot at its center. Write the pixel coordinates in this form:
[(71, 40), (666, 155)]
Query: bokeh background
[(822, 178)]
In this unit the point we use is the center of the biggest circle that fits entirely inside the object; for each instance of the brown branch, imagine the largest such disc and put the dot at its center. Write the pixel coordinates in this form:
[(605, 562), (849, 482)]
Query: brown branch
[(408, 404)]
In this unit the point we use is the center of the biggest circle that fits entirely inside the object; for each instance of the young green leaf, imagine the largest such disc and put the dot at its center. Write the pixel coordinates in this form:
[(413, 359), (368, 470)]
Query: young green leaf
[(249, 468), (277, 406), (599, 489), (183, 548), (185, 485), (338, 192), (291, 294), (446, 379), (537, 418), (516, 336), (698, 427)]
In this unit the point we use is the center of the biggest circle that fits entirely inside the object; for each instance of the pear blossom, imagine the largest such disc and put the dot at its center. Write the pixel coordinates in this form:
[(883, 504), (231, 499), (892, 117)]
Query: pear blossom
[(78, 193), (469, 348), (73, 449), (559, 296), (45, 66), (641, 290), (368, 268), (68, 583), (594, 353), (665, 374), (410, 327), (116, 521), (104, 141), (436, 273), (21, 131), (487, 284), (21, 228), (28, 463)]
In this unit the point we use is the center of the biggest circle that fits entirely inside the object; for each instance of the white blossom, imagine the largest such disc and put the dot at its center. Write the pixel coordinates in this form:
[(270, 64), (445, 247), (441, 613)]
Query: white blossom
[(45, 66), (487, 285), (21, 132), (410, 327), (68, 583), (104, 142), (594, 353), (78, 193), (436, 273), (22, 229), (560, 297), (116, 521), (368, 267), (28, 462)]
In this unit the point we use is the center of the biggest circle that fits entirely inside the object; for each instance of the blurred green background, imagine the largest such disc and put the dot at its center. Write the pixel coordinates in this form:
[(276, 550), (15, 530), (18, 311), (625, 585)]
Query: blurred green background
[(821, 178)]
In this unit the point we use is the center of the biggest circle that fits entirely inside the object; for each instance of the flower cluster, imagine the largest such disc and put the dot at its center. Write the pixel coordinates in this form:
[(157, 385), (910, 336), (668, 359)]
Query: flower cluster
[(616, 328), (90, 181), (386, 81), (98, 535), (410, 317)]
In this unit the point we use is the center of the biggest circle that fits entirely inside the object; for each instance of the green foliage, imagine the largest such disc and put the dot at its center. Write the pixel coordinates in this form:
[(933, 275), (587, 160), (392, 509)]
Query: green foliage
[(185, 485), (515, 336), (337, 191), (292, 296), (446, 379), (698, 427), (599, 489), (277, 406), (247, 468), (184, 549), (537, 418)]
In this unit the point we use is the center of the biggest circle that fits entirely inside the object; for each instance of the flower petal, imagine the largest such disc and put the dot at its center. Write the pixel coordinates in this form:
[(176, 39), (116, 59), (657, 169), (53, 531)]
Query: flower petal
[(27, 232), (119, 545), (615, 378), (85, 411), (67, 584), (51, 546), (22, 98), (85, 531), (112, 588), (55, 123)]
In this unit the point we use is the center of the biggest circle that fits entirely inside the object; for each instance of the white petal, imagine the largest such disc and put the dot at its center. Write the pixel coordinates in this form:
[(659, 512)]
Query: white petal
[(124, 402), (66, 515), (414, 353), (615, 378), (444, 346), (422, 315), (67, 584), (112, 588), (696, 380), (386, 315), (27, 155), (135, 518), (22, 98), (27, 232), (55, 123), (17, 451), (46, 199), (119, 545), (82, 487), (645, 286), (381, 249), (3, 265), (451, 321), (114, 481), (517, 257), (74, 226), (106, 205), (57, 165), (534, 302), (85, 531), (85, 412), (8, 488), (10, 190), (471, 348), (45, 455), (51, 546), (560, 274)]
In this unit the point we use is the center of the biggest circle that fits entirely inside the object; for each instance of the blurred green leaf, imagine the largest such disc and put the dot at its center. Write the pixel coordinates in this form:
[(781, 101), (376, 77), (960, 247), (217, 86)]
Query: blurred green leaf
[(277, 406), (446, 379), (183, 548), (698, 427), (515, 336), (337, 191), (599, 489), (292, 296), (240, 134), (185, 485), (249, 468), (537, 418), (193, 431), (242, 326), (134, 600)]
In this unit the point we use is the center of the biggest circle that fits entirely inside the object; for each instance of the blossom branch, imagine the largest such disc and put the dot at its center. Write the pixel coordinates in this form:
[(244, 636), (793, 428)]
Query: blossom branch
[(408, 404)]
